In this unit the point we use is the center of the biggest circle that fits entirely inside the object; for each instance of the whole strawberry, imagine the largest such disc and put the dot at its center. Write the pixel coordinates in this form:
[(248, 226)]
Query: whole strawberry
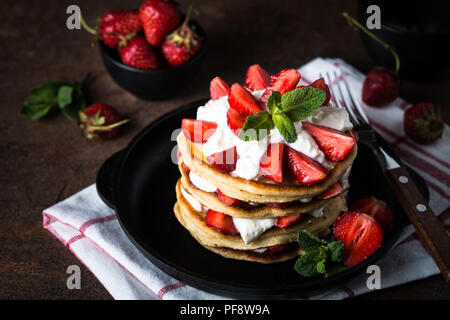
[(380, 87), (100, 120), (117, 23), (158, 19), (139, 54), (182, 44), (423, 123)]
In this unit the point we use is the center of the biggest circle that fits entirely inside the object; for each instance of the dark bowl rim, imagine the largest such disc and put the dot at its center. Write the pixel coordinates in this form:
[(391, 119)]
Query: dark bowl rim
[(393, 29), (106, 51)]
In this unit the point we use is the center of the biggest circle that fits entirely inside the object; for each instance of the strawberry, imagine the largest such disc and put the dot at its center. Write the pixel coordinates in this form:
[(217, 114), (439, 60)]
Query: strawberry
[(229, 201), (224, 161), (335, 144), (198, 130), (322, 85), (423, 123), (277, 248), (223, 223), (100, 120), (257, 78), (380, 87), (377, 209), (271, 163), (283, 82), (241, 100), (139, 54), (286, 221), (218, 88), (158, 19), (117, 23), (332, 192), (304, 169), (361, 235), (182, 44), (276, 204), (235, 120)]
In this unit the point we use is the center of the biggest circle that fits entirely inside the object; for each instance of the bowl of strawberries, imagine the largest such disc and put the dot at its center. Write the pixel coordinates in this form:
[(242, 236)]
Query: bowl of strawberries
[(152, 52)]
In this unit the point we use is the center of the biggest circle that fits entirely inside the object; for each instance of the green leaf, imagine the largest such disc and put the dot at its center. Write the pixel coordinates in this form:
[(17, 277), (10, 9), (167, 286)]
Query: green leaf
[(256, 127), (41, 101), (301, 103), (64, 96), (274, 102), (306, 265), (336, 250), (308, 241), (78, 103), (334, 268), (285, 126)]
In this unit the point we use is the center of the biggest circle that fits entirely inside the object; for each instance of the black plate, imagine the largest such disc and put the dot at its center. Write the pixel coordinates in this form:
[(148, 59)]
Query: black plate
[(139, 182)]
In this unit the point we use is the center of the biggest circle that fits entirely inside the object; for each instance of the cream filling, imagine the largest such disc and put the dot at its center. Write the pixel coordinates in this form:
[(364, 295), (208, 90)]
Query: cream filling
[(201, 183), (250, 229)]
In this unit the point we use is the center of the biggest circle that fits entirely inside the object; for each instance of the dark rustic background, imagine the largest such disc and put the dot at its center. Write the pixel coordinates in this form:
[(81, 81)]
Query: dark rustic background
[(45, 161)]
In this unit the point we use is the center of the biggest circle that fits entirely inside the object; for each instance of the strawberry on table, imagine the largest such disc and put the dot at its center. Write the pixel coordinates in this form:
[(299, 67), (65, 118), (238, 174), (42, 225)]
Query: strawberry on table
[(271, 163), (380, 87), (335, 144), (241, 100), (286, 221), (222, 222), (158, 19), (304, 169), (218, 88), (284, 81), (224, 161), (332, 192), (198, 130), (139, 54), (377, 209), (257, 78), (100, 120), (423, 123), (361, 235), (229, 201)]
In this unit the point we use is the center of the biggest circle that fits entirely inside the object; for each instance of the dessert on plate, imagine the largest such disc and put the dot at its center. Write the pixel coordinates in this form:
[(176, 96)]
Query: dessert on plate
[(262, 161)]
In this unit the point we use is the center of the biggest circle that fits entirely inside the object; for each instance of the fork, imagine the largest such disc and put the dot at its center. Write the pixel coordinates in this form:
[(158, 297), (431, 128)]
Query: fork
[(431, 232)]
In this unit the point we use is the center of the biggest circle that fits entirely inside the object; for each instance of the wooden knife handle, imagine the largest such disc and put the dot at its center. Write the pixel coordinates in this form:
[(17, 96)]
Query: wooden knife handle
[(430, 230)]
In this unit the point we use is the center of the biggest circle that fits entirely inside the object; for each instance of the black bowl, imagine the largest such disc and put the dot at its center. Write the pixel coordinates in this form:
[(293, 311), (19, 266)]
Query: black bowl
[(152, 84), (418, 33)]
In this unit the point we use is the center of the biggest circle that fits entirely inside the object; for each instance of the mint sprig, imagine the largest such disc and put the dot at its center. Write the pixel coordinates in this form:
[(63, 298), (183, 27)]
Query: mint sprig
[(282, 112), (320, 257)]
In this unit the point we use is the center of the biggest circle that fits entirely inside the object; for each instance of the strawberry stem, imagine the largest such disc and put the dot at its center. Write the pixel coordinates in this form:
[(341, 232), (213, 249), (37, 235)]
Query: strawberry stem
[(86, 27), (108, 127), (353, 22)]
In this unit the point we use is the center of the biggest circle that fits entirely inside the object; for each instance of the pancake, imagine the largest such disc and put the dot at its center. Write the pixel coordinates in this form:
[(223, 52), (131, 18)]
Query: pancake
[(212, 201), (193, 221), (258, 191)]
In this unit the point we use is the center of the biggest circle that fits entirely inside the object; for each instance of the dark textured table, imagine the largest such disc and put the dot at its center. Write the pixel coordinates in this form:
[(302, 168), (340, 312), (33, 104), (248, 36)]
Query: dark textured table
[(43, 162)]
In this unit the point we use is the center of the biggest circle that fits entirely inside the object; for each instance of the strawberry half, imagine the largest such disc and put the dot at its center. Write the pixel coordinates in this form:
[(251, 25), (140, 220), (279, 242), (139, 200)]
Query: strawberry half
[(235, 120), (271, 163), (223, 223), (257, 78), (304, 169), (283, 82), (218, 88), (322, 85), (332, 192), (361, 235), (284, 222), (226, 200), (335, 144), (224, 161), (198, 130), (241, 100), (377, 209)]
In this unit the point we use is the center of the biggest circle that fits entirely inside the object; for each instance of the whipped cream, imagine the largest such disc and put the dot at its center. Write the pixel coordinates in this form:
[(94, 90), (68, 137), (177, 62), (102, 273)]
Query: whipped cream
[(200, 183), (316, 213), (250, 229), (250, 152), (192, 201), (260, 250)]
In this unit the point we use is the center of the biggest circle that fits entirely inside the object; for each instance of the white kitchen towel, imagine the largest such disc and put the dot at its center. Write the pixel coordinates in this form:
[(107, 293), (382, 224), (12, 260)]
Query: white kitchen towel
[(87, 227)]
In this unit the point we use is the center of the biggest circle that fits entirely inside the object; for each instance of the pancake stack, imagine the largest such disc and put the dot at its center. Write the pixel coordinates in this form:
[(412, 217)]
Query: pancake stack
[(255, 219)]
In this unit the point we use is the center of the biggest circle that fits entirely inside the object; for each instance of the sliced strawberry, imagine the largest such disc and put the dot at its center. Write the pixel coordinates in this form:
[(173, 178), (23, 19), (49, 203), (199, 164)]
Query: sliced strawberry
[(223, 223), (361, 235), (277, 204), (197, 130), (335, 144), (286, 221), (185, 167), (283, 82), (224, 161), (304, 169), (241, 100), (278, 248), (332, 192), (271, 163), (257, 78), (218, 88), (226, 200), (235, 120), (377, 209), (322, 85)]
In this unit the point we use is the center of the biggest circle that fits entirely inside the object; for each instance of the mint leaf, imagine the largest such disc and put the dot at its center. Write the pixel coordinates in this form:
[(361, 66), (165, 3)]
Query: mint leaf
[(64, 96), (306, 265), (285, 126), (256, 127), (334, 268), (274, 102), (308, 241), (301, 103), (336, 249)]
